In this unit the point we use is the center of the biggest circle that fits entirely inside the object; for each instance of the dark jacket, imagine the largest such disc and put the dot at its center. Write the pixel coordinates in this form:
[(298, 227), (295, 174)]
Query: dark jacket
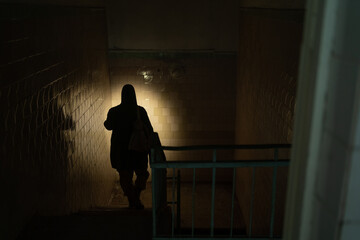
[(120, 120)]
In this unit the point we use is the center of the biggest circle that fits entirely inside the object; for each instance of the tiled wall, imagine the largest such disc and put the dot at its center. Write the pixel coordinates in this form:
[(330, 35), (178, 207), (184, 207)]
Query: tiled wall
[(190, 99), (269, 45), (54, 98)]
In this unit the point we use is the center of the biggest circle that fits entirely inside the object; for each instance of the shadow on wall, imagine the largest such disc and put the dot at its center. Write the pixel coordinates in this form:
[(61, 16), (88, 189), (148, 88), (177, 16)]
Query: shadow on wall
[(36, 151), (49, 143), (54, 92)]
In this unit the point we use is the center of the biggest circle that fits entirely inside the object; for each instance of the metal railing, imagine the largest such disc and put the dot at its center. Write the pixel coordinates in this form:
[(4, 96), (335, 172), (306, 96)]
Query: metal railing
[(159, 166)]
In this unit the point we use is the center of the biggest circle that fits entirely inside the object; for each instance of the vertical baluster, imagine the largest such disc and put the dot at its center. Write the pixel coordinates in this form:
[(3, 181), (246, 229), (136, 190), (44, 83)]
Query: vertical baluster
[(232, 203), (152, 156), (273, 194), (178, 214), (173, 205), (252, 200), (193, 205), (213, 195)]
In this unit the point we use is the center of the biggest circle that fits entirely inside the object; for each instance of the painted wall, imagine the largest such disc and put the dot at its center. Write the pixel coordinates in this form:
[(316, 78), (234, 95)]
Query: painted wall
[(269, 44), (275, 4), (54, 94), (78, 3), (324, 185), (171, 24)]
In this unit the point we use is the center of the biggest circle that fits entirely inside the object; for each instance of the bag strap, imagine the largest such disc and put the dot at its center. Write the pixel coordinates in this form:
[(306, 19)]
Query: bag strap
[(146, 130), (138, 113)]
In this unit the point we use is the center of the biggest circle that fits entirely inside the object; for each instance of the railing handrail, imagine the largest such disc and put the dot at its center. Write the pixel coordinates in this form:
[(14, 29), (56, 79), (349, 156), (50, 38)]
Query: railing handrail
[(225, 146), (220, 164), (159, 164)]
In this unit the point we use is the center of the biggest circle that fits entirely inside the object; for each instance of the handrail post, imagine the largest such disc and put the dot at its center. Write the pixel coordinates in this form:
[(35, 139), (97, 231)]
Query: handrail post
[(193, 205), (152, 156), (252, 200), (173, 203), (213, 195), (178, 220), (232, 203), (273, 194)]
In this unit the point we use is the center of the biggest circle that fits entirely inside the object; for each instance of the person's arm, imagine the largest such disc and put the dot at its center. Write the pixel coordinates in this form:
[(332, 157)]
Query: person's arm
[(146, 121), (109, 122), (149, 129)]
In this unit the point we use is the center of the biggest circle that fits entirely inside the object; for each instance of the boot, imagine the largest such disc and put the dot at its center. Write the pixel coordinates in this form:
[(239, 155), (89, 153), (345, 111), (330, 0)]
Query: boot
[(134, 200), (137, 202)]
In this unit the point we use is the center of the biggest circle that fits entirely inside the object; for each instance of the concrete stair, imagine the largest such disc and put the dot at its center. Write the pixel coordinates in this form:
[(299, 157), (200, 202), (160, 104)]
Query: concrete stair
[(98, 223)]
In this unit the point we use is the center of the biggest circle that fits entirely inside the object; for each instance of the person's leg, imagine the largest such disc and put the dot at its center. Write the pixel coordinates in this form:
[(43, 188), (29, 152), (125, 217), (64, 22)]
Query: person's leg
[(139, 162), (141, 178), (140, 167), (127, 186), (140, 183)]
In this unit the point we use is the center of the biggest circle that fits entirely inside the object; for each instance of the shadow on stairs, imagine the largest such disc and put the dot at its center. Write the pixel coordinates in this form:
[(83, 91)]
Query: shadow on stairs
[(98, 223)]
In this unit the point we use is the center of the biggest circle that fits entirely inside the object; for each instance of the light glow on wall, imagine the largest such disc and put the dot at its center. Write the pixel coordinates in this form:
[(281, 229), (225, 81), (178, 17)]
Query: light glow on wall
[(162, 111), (186, 103)]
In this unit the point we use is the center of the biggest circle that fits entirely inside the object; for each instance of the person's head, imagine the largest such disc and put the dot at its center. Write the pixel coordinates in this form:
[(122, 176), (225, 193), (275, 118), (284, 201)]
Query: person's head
[(128, 95)]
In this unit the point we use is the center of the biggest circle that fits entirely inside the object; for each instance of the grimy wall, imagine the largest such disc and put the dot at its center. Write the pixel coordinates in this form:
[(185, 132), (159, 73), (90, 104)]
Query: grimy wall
[(269, 45), (189, 97), (190, 49), (164, 24), (54, 93)]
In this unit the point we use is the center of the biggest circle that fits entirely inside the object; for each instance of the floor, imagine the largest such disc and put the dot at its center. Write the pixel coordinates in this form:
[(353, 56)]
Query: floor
[(100, 223), (202, 206), (116, 221)]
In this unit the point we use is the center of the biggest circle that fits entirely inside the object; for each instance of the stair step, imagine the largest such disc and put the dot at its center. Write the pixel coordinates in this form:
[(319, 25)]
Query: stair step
[(107, 223)]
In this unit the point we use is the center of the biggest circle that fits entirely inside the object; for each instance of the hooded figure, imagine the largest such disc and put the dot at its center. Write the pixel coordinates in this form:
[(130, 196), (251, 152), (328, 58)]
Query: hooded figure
[(120, 120)]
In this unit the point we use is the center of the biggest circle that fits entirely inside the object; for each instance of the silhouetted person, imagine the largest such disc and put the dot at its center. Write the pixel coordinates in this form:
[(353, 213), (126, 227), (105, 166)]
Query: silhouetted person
[(120, 120)]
